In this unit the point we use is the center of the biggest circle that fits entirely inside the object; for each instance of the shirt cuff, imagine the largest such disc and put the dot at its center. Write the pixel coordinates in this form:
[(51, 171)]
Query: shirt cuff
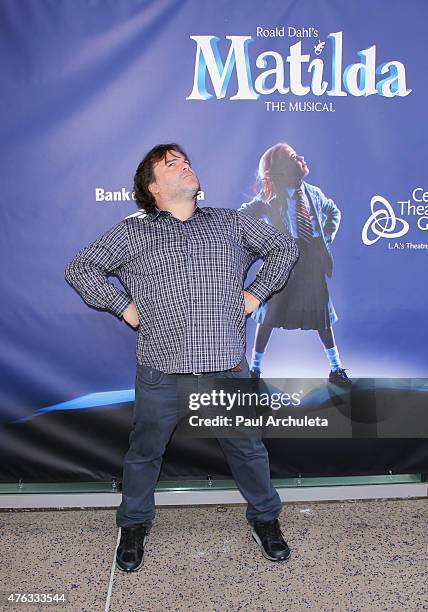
[(119, 304), (259, 290)]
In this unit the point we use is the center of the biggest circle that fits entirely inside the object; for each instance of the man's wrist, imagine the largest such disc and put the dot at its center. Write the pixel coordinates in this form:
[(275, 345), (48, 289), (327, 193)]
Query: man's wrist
[(259, 290), (119, 304)]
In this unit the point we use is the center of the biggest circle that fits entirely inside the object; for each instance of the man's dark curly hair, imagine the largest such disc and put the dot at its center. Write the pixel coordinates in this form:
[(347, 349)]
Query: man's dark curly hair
[(144, 175)]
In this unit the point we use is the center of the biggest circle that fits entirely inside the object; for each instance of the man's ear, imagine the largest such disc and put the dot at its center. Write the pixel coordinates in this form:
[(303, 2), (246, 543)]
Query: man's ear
[(153, 188)]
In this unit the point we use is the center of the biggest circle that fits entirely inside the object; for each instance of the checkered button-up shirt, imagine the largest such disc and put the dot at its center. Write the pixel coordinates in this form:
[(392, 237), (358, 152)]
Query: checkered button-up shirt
[(185, 279)]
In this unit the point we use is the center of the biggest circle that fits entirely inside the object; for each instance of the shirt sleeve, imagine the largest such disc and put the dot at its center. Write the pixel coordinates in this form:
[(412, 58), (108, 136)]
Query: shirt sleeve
[(89, 270), (278, 251), (254, 209), (332, 218)]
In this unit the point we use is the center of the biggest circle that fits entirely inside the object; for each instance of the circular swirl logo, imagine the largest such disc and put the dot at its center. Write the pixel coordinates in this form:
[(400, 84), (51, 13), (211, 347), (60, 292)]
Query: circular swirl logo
[(383, 222)]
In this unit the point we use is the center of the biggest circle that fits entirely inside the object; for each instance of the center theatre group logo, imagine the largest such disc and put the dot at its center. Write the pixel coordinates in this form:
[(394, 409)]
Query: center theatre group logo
[(383, 222)]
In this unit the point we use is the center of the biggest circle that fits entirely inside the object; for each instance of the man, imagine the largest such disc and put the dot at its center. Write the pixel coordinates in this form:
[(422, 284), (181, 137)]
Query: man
[(183, 268), (302, 211)]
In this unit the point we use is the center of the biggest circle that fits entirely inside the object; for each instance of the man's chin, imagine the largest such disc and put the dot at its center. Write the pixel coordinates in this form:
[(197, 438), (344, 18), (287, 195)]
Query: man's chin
[(193, 183), (193, 191)]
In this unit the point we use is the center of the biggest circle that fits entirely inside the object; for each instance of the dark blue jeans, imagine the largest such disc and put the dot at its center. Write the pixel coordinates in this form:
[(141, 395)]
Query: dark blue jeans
[(155, 418)]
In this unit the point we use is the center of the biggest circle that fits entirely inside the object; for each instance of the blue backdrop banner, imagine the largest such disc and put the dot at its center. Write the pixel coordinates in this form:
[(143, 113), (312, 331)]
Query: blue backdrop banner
[(89, 87)]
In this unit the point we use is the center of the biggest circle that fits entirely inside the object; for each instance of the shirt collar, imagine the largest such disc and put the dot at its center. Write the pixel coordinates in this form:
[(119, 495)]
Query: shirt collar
[(291, 191), (165, 213)]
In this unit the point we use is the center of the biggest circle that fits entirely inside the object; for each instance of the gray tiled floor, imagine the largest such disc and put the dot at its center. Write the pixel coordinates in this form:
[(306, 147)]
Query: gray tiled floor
[(364, 556)]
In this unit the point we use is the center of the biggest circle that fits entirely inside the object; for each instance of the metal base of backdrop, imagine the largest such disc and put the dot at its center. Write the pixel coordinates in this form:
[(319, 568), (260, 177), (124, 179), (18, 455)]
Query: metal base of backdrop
[(102, 495)]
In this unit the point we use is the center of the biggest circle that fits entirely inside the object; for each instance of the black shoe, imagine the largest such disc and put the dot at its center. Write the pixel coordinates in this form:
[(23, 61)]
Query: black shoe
[(270, 539), (340, 378), (255, 373), (129, 554)]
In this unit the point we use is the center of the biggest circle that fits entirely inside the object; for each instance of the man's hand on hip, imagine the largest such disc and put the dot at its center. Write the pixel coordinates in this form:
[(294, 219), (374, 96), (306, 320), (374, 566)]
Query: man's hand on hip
[(130, 315), (251, 302)]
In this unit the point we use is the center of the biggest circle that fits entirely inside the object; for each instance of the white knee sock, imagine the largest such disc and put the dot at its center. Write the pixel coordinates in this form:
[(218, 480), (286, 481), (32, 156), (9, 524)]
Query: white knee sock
[(256, 360), (333, 357)]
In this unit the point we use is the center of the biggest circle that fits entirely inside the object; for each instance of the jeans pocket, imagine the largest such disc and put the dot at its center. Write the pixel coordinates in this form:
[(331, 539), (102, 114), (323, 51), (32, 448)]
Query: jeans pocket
[(148, 375)]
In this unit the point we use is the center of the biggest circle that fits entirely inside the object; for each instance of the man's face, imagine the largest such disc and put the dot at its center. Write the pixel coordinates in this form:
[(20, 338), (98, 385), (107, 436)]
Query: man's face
[(289, 167), (174, 178)]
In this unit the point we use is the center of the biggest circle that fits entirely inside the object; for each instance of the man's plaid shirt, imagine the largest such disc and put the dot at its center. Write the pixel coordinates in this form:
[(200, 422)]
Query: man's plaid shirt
[(185, 279)]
